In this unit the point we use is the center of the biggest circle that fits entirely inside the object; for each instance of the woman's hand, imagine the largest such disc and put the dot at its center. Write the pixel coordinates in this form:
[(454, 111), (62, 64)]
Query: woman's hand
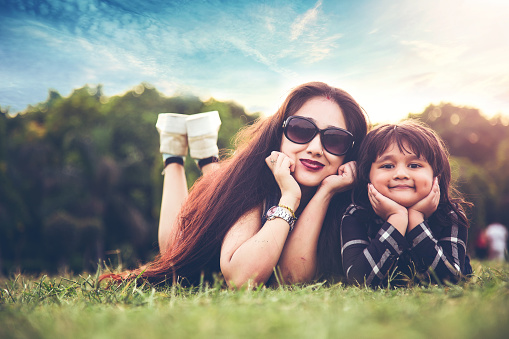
[(282, 167), (342, 181)]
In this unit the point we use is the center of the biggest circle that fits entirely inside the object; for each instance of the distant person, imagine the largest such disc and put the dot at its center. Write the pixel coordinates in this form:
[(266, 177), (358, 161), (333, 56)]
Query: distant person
[(274, 205), (481, 245), (404, 221), (496, 235)]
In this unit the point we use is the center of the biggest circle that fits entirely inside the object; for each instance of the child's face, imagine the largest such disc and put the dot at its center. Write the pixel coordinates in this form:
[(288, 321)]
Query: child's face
[(401, 177)]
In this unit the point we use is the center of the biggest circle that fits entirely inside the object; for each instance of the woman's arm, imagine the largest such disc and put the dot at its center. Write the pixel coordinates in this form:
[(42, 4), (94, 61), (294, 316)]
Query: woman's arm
[(298, 262), (250, 252)]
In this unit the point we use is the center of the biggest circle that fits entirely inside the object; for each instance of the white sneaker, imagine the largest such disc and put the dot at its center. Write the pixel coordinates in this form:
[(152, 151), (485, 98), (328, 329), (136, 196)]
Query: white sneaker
[(172, 130), (202, 129)]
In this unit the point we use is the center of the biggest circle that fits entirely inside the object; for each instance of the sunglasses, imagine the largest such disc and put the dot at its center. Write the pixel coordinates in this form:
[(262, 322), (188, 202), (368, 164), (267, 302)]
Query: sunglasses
[(301, 130)]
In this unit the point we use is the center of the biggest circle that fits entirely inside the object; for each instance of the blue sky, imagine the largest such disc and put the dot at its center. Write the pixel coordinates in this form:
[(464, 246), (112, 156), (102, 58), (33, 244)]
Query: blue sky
[(393, 56)]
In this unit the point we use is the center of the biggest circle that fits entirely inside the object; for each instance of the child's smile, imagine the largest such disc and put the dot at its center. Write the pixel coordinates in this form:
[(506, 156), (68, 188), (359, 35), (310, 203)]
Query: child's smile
[(401, 176)]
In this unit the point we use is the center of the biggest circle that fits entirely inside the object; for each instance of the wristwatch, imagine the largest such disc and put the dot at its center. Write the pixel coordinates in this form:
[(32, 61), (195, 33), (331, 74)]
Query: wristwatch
[(281, 212)]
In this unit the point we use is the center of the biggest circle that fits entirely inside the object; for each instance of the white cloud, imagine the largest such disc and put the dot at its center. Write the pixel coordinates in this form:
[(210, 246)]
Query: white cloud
[(302, 23)]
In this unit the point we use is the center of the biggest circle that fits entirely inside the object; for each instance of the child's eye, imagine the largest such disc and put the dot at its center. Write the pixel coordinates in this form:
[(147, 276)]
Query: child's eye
[(387, 166), (414, 165)]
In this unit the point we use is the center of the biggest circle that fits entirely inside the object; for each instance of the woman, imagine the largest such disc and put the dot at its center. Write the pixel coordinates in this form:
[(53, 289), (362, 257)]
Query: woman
[(290, 171)]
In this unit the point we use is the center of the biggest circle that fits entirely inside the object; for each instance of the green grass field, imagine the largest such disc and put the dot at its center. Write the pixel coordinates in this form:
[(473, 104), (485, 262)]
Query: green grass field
[(76, 307)]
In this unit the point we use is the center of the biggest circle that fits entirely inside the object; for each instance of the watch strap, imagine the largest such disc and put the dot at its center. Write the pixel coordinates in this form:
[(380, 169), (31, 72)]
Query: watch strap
[(283, 213)]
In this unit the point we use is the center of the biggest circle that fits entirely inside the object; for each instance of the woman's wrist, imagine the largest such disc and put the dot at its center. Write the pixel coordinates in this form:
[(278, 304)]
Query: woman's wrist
[(290, 202), (324, 195)]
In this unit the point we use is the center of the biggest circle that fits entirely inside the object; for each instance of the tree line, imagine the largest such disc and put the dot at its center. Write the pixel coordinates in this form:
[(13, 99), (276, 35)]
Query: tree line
[(80, 176)]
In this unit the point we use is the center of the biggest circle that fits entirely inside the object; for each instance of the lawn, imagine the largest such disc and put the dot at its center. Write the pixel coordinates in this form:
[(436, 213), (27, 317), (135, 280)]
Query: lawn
[(76, 307)]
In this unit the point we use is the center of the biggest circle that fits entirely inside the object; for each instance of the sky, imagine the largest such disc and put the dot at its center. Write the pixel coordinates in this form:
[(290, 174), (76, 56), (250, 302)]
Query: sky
[(393, 56)]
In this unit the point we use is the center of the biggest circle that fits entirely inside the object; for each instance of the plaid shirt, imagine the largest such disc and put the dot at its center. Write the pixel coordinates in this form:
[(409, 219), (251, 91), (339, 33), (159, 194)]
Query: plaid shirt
[(373, 250)]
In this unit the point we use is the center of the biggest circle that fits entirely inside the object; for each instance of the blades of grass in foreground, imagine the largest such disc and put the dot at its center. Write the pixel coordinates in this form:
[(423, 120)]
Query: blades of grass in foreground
[(77, 307)]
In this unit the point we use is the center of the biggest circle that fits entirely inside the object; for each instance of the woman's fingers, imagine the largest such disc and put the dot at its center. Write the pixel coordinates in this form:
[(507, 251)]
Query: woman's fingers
[(271, 161), (347, 169), (282, 166), (278, 160)]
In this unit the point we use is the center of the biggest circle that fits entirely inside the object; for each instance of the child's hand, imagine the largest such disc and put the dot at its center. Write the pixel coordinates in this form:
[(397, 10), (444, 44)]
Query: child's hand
[(282, 167), (429, 204), (383, 206), (388, 209), (342, 181)]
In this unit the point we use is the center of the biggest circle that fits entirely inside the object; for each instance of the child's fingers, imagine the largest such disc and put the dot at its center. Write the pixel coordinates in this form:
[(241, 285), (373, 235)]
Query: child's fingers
[(436, 190), (373, 190), (372, 195)]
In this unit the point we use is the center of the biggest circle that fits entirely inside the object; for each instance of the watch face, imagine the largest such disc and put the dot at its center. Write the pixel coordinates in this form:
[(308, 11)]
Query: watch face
[(271, 211)]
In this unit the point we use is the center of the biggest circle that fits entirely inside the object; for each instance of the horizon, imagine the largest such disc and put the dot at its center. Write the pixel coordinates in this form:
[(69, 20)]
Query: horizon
[(504, 117)]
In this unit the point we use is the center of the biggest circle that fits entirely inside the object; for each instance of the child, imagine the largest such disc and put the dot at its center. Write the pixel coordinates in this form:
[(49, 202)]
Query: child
[(404, 223)]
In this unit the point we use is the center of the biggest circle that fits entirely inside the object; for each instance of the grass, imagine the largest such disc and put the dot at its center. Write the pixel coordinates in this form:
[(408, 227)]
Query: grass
[(77, 307)]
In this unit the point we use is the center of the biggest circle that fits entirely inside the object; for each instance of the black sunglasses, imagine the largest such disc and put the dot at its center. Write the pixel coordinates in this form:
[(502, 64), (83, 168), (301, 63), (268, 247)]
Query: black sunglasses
[(301, 130)]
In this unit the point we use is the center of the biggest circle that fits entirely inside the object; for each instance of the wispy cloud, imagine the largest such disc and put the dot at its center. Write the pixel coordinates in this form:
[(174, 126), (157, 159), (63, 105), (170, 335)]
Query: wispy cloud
[(303, 22)]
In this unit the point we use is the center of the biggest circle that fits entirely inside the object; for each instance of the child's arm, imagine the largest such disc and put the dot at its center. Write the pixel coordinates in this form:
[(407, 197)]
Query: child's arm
[(388, 210), (425, 208), (364, 260), (439, 250)]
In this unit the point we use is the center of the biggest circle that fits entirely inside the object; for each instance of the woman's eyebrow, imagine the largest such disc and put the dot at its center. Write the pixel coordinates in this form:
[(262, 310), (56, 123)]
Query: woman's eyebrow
[(316, 123)]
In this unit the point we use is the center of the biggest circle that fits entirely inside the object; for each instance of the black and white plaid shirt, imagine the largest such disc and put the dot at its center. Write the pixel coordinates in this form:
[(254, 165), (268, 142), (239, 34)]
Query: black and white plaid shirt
[(374, 252)]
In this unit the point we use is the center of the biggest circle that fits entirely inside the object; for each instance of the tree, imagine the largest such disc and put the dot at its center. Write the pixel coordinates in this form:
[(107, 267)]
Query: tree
[(81, 175)]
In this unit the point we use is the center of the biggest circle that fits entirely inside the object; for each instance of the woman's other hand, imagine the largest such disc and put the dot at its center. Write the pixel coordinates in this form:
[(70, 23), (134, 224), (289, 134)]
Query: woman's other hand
[(342, 181)]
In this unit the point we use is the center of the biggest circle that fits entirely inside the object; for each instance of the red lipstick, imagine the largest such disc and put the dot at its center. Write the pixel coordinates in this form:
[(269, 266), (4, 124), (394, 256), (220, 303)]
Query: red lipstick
[(311, 164)]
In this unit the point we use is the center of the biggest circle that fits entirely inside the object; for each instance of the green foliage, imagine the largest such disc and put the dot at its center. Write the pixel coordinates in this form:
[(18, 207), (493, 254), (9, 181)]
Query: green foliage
[(81, 175), (79, 307)]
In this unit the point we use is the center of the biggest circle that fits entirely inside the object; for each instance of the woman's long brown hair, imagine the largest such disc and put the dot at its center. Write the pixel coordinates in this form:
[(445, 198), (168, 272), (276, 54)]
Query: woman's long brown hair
[(216, 201)]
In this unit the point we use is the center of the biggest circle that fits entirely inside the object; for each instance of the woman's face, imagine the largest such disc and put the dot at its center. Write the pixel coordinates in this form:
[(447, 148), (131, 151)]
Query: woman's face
[(312, 162)]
